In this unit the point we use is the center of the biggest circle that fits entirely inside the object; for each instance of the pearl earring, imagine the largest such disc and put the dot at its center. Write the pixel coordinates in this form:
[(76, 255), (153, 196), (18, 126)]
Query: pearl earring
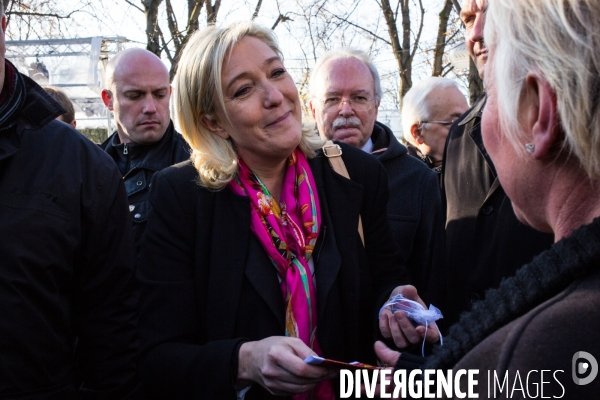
[(530, 147)]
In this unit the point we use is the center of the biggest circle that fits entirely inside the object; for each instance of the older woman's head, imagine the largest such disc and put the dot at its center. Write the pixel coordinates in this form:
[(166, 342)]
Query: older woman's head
[(542, 119), (235, 98)]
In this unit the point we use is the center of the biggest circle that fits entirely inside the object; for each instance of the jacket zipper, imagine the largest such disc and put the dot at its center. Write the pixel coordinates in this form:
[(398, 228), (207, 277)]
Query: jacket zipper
[(125, 150)]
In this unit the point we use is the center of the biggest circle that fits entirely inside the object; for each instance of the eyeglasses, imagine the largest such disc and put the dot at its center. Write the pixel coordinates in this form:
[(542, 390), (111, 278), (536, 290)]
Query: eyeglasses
[(358, 103), (439, 122)]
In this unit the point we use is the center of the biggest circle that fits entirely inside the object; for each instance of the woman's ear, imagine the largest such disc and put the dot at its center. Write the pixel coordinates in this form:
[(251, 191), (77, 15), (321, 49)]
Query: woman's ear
[(210, 123), (542, 118)]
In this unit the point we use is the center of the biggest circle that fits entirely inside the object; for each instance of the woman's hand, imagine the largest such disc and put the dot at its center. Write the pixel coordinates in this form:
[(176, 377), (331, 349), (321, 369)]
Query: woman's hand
[(397, 326), (277, 364)]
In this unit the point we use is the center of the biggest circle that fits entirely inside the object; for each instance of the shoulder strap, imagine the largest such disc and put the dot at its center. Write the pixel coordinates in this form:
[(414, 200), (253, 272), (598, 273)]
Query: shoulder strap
[(333, 152)]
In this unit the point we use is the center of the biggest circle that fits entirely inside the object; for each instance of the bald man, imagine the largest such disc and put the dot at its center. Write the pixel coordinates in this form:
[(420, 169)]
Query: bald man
[(137, 91)]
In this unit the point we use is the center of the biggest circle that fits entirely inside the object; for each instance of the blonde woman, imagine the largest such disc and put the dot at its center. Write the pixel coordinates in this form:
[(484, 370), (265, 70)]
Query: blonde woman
[(252, 259)]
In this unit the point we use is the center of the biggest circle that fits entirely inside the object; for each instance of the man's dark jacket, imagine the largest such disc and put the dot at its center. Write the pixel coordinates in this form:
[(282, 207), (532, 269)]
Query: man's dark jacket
[(138, 163), (428, 160), (484, 240), (65, 260), (414, 209)]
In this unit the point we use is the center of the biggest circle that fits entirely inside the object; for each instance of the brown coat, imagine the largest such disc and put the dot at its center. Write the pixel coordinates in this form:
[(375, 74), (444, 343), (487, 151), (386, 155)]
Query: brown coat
[(535, 321)]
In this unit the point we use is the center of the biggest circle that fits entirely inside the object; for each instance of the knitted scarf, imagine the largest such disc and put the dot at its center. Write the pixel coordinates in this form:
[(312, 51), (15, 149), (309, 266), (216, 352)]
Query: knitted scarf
[(546, 276)]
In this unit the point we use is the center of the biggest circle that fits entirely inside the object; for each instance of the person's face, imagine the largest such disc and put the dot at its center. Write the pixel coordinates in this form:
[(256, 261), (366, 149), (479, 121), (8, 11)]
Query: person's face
[(447, 105), (262, 103), (139, 99), (345, 79), (473, 16)]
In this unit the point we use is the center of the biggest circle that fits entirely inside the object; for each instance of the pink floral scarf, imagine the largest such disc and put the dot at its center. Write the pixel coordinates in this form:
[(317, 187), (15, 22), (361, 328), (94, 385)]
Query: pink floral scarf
[(288, 232)]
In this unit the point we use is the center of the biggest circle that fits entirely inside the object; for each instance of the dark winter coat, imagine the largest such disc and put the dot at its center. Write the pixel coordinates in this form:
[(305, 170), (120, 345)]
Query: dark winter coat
[(137, 164), (484, 240), (208, 285), (414, 209), (68, 322)]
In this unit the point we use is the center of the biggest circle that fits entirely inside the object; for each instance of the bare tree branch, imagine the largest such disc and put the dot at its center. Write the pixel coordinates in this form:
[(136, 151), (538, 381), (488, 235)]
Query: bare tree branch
[(363, 29), (456, 6), (165, 46), (173, 26), (152, 28), (281, 18), (447, 69), (421, 23), (211, 11), (194, 8), (442, 39), (257, 9), (134, 5), (36, 14)]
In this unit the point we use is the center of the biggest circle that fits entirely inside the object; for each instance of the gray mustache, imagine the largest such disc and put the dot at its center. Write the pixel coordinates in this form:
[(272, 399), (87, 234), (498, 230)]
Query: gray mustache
[(350, 121)]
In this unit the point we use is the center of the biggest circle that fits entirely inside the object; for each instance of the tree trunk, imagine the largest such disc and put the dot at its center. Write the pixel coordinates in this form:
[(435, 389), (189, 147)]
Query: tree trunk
[(194, 8), (475, 83), (152, 31), (390, 21), (211, 11), (456, 6), (256, 10), (406, 62), (440, 46)]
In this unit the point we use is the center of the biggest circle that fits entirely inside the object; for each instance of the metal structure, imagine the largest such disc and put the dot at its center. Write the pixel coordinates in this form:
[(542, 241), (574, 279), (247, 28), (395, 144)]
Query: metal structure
[(459, 56), (75, 65)]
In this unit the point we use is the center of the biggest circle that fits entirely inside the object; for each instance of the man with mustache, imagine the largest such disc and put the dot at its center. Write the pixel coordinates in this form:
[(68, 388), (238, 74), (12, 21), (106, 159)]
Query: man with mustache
[(137, 91), (345, 95), (484, 240)]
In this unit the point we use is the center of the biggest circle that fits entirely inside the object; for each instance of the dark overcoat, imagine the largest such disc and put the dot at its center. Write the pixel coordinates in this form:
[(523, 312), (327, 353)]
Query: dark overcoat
[(207, 285), (414, 209), (68, 316), (485, 241), (138, 163)]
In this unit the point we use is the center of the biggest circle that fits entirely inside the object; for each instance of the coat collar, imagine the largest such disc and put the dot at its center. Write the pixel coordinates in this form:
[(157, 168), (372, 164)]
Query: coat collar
[(385, 145), (340, 201), (476, 111), (35, 111), (473, 129), (151, 156)]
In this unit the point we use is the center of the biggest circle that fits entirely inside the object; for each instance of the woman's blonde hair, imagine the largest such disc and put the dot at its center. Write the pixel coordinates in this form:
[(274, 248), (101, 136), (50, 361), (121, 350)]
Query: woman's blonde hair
[(560, 40), (198, 84)]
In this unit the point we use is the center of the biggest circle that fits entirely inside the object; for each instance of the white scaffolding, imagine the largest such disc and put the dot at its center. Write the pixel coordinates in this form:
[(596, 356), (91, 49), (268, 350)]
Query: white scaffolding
[(76, 66)]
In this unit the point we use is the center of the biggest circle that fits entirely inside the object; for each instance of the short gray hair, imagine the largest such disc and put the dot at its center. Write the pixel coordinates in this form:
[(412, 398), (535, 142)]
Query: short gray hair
[(559, 40), (341, 54), (414, 107)]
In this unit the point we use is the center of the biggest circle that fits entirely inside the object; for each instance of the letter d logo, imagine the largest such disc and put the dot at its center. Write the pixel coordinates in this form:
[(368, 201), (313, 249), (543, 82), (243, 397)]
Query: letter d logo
[(581, 367)]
